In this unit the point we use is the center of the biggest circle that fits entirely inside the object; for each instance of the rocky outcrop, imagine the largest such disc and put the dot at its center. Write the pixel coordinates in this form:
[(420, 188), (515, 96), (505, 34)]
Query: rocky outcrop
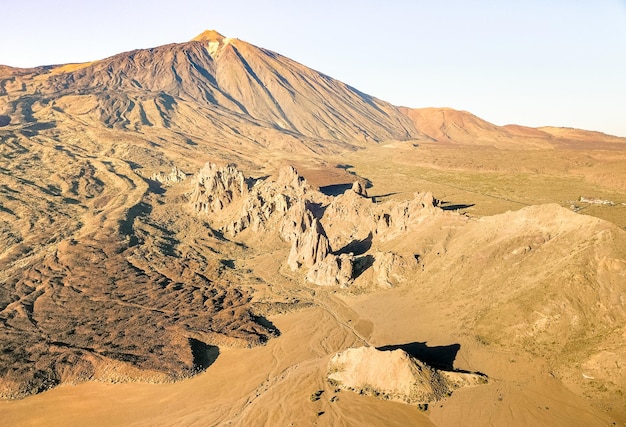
[(359, 188), (348, 217), (275, 204), (334, 270), (390, 269), (288, 207), (259, 205), (258, 209), (309, 248), (217, 187), (398, 217), (352, 215), (175, 176), (395, 375), (298, 220), (289, 179)]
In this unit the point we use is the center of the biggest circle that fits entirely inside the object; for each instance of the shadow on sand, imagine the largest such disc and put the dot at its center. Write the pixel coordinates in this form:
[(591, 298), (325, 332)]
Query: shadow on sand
[(335, 189), (448, 207)]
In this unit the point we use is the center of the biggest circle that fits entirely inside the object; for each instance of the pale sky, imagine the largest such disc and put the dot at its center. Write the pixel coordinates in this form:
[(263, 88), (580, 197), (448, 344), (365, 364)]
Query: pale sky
[(529, 62)]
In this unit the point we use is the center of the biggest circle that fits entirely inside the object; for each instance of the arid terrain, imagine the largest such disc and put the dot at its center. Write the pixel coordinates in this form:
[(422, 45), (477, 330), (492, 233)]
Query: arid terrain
[(209, 233)]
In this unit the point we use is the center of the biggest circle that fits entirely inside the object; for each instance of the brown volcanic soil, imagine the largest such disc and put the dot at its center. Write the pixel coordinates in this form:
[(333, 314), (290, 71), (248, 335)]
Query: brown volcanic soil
[(108, 276)]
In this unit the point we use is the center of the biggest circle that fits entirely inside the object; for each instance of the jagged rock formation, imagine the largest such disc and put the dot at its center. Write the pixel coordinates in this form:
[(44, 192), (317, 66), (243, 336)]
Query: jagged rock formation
[(283, 206), (309, 248), (217, 187), (395, 375), (399, 217), (104, 278), (351, 217), (359, 188), (175, 176), (258, 205), (288, 206), (333, 270), (288, 178), (269, 202)]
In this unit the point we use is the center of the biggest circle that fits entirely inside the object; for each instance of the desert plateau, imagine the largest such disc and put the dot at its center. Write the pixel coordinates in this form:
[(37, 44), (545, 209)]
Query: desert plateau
[(210, 233)]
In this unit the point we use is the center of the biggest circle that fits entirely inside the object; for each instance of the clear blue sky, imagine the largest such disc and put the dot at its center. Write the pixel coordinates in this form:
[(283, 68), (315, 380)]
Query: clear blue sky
[(530, 62)]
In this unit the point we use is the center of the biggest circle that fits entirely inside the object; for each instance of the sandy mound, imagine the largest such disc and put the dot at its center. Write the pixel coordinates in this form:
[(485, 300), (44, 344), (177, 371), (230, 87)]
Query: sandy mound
[(395, 375)]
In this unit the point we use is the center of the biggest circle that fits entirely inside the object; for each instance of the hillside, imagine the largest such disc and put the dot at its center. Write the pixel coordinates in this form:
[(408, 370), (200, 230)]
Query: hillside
[(449, 125), (224, 86), (210, 223)]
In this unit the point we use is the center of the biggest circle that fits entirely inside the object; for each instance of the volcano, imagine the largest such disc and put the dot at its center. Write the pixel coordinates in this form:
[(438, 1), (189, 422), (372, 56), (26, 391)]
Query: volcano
[(211, 222)]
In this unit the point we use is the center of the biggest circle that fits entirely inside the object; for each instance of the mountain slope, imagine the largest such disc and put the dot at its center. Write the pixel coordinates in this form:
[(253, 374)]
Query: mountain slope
[(229, 91), (449, 125), (109, 271), (211, 81)]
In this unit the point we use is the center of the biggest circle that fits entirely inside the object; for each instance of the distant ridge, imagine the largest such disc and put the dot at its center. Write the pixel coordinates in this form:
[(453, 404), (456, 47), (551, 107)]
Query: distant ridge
[(449, 125)]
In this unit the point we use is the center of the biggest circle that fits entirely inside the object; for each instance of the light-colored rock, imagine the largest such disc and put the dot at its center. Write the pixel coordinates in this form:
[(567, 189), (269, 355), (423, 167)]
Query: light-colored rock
[(334, 270), (289, 179), (175, 176), (309, 248), (217, 187), (286, 206), (258, 208), (348, 217), (395, 218), (280, 204), (297, 221), (359, 188), (395, 375), (390, 269)]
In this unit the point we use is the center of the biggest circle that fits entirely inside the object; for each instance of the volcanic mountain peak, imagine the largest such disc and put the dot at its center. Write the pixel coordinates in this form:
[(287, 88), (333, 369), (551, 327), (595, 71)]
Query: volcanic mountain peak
[(213, 39), (108, 275), (209, 36)]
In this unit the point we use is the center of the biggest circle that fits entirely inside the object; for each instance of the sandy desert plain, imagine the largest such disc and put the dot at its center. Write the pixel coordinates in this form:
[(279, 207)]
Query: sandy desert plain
[(140, 285)]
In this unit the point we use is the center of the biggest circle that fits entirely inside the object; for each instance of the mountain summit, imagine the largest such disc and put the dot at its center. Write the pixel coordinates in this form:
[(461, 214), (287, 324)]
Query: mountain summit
[(163, 207), (214, 41), (209, 36)]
